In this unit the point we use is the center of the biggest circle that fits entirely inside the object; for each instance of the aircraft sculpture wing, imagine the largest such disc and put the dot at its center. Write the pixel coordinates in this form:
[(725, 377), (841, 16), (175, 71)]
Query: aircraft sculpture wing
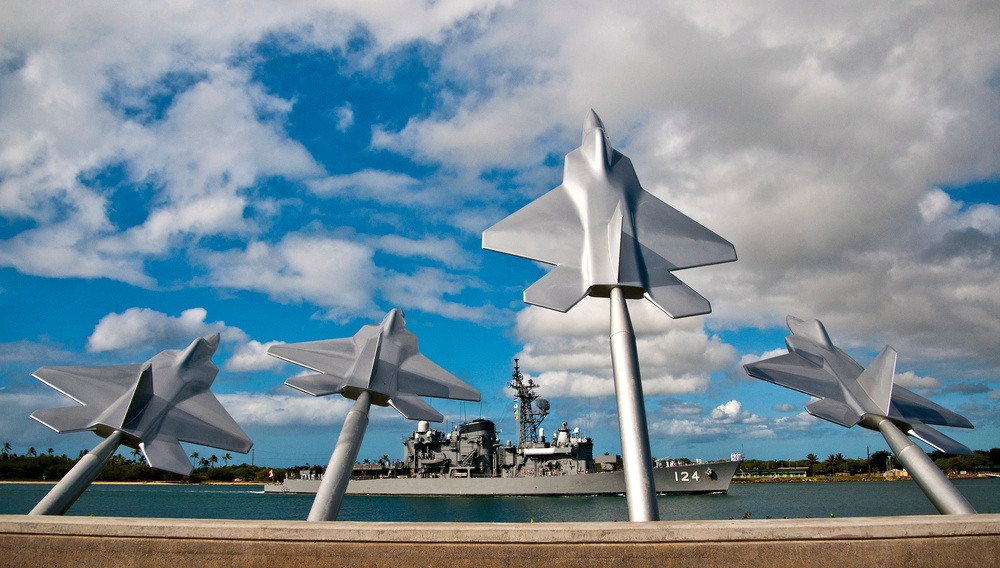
[(420, 376), (668, 240), (198, 420), (155, 404), (846, 392), (201, 419), (911, 408), (546, 230), (794, 371), (602, 230), (381, 359), (95, 388), (673, 236), (908, 404), (332, 359)]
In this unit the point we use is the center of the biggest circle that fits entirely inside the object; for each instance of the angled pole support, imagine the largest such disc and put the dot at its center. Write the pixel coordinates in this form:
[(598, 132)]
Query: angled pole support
[(331, 491), (61, 497), (640, 491), (941, 492)]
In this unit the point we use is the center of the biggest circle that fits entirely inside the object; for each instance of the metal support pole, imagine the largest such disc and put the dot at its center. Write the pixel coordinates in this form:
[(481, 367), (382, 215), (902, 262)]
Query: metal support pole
[(331, 491), (61, 497), (640, 492), (932, 481)]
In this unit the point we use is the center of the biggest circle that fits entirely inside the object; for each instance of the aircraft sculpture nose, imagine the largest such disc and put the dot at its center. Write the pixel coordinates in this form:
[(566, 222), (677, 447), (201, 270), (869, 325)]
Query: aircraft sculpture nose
[(592, 121), (395, 320)]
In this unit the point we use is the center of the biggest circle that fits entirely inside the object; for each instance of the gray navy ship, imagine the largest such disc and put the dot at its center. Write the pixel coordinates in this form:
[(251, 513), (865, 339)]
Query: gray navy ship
[(471, 460)]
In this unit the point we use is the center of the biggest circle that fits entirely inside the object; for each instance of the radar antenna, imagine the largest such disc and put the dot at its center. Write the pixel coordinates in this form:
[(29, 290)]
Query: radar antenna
[(528, 418)]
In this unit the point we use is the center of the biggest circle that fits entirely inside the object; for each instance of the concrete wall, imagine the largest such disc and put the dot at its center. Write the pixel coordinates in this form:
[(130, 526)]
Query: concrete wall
[(938, 541)]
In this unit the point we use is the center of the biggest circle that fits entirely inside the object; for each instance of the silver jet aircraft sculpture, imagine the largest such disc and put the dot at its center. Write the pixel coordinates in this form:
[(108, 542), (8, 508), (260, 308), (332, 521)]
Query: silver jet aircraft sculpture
[(610, 238), (149, 406), (380, 365), (848, 394)]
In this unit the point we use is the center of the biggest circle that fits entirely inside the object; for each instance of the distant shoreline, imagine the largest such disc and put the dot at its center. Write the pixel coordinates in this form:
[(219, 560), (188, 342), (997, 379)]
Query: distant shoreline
[(735, 481), (837, 479), (36, 482)]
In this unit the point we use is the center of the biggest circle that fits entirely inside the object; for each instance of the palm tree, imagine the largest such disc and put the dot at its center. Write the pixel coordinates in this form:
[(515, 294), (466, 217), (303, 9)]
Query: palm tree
[(31, 452), (841, 460), (812, 460), (6, 450), (226, 458), (194, 458), (135, 455), (213, 460)]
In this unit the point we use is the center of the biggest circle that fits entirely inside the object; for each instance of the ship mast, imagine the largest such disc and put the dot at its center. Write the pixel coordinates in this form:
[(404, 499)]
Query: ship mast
[(529, 417)]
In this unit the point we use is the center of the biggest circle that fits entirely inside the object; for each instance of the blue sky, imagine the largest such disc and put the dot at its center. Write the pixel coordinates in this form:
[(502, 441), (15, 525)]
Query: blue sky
[(291, 173)]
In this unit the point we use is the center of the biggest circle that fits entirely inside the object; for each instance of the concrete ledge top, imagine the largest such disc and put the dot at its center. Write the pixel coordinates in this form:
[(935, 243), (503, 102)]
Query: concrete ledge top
[(848, 528)]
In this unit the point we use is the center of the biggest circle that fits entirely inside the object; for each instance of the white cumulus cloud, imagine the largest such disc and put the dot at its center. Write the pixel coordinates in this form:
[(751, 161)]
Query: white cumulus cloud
[(337, 274), (252, 356), (267, 409), (143, 328), (571, 353)]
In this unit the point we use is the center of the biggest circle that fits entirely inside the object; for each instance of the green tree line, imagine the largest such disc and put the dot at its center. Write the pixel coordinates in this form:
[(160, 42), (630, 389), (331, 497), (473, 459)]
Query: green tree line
[(879, 462), (46, 466)]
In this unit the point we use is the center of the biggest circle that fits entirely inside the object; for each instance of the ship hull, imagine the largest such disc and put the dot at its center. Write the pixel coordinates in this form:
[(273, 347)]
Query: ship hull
[(692, 479)]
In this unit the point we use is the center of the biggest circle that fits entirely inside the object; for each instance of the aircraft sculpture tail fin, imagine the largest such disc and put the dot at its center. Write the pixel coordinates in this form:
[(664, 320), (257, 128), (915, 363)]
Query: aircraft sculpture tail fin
[(142, 392), (560, 289), (166, 454), (833, 411), (677, 299), (413, 407), (877, 379), (68, 419), (363, 369), (936, 439), (319, 384)]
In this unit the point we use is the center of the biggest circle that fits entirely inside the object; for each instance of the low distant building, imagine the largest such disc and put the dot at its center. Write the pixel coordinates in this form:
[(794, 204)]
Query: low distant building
[(776, 473)]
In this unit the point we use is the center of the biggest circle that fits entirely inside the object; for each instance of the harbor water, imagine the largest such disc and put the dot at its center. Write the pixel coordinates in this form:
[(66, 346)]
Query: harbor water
[(754, 501)]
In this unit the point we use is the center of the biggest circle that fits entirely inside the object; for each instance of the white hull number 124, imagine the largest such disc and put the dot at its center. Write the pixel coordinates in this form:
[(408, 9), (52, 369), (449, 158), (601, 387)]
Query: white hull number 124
[(684, 476)]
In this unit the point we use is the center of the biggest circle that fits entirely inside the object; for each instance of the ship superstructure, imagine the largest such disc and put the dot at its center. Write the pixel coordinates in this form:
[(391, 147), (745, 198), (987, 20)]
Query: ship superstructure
[(472, 460), (473, 449), (527, 413)]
